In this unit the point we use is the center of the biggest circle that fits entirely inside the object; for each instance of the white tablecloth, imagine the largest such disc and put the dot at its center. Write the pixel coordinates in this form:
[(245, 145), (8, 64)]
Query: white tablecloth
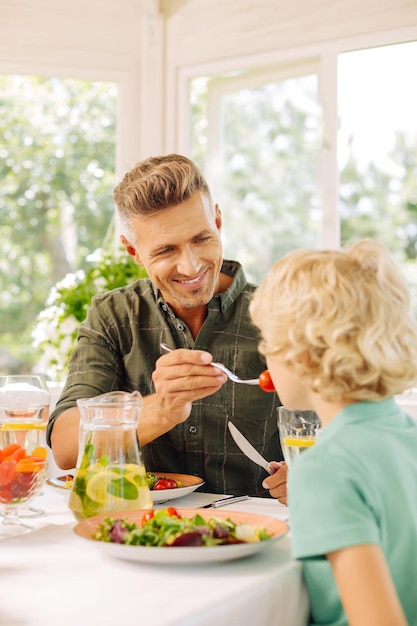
[(51, 577)]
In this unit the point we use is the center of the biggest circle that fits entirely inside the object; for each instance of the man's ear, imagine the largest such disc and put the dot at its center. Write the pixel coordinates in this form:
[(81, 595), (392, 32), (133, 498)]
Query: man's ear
[(218, 216), (130, 249)]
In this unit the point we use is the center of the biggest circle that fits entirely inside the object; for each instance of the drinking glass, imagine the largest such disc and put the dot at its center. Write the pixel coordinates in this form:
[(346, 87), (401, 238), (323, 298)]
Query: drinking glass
[(24, 402), (298, 431)]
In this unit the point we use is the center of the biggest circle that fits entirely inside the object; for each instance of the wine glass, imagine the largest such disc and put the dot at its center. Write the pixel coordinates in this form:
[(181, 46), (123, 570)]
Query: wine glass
[(24, 402)]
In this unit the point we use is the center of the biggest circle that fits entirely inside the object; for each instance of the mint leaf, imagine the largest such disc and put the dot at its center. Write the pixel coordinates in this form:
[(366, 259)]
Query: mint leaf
[(122, 488)]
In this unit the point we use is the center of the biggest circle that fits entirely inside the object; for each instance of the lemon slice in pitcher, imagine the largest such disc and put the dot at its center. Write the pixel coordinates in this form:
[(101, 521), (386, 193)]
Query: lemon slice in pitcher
[(136, 475), (97, 488)]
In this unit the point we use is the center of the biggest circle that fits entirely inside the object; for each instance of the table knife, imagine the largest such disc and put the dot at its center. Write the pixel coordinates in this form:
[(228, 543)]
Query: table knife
[(248, 449), (223, 501)]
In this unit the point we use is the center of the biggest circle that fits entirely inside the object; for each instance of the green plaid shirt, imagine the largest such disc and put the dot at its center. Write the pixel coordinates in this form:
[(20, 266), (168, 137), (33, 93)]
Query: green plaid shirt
[(118, 345)]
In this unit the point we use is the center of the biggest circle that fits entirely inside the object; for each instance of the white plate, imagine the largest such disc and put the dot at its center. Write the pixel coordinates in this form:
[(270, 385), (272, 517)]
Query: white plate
[(187, 555), (61, 482), (190, 484)]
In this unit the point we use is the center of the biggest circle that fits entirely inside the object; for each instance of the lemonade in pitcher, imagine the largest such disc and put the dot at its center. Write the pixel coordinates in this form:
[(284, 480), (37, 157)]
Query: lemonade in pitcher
[(97, 489), (110, 475)]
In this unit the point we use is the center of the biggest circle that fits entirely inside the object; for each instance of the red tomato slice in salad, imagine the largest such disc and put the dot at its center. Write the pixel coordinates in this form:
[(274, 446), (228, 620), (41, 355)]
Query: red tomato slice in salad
[(147, 517)]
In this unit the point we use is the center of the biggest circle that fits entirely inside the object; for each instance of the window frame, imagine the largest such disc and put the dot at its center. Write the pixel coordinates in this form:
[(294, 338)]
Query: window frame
[(325, 58)]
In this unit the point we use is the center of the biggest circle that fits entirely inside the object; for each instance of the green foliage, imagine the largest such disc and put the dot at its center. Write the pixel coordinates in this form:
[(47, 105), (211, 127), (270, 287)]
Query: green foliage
[(57, 149), (73, 294), (382, 204), (67, 305)]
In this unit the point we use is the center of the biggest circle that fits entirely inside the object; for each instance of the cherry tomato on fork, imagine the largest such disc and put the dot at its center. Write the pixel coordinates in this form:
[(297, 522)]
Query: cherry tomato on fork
[(265, 381)]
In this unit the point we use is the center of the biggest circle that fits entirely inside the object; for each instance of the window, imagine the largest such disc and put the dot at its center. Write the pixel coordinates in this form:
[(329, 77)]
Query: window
[(260, 139), (257, 136), (378, 150), (57, 168)]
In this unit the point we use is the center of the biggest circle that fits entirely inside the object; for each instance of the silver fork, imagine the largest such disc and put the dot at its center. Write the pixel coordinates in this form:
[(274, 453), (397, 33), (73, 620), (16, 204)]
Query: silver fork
[(231, 375)]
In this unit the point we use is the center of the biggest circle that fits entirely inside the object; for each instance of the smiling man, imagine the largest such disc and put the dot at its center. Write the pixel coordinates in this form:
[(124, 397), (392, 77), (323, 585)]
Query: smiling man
[(182, 253), (194, 301)]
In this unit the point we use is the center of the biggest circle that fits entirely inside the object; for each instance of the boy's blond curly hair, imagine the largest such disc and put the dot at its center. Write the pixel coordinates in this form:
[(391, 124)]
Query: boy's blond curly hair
[(341, 319)]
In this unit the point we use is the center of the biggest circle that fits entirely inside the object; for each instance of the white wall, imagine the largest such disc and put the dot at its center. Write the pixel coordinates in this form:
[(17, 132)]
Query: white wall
[(212, 30), (93, 35)]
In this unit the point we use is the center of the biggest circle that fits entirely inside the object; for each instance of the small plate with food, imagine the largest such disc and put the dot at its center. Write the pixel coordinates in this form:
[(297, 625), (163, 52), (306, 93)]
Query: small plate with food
[(61, 482), (181, 536), (167, 486)]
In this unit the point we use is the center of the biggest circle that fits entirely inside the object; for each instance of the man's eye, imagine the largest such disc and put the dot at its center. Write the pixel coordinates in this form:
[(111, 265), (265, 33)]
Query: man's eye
[(202, 239)]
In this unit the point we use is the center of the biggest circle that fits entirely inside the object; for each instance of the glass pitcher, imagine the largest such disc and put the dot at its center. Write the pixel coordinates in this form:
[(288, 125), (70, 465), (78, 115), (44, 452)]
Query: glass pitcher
[(110, 475)]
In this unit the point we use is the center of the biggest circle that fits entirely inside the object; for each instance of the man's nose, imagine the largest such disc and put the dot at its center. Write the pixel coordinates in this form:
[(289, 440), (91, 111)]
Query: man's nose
[(188, 263)]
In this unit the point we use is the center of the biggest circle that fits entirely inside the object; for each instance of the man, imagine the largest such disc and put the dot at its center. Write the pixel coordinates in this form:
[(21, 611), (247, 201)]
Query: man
[(195, 302)]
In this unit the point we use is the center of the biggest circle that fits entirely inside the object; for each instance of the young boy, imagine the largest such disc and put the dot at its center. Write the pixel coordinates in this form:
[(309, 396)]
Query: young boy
[(339, 338)]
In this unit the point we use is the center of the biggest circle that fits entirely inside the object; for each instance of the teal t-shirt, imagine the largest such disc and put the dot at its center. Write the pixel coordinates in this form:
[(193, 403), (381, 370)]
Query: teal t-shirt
[(357, 485)]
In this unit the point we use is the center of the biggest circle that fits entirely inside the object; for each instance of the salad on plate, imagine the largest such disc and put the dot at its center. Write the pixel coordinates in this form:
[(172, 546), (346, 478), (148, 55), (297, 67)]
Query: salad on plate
[(170, 528)]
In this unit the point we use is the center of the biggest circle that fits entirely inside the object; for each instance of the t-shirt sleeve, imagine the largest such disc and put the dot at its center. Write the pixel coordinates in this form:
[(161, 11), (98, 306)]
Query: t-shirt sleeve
[(329, 509)]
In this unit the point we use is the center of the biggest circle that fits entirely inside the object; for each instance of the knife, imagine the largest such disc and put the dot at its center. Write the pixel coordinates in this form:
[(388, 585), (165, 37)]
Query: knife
[(217, 503), (248, 449)]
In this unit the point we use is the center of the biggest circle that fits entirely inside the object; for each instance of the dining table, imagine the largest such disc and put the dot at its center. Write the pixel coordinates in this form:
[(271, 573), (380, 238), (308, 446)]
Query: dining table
[(50, 576)]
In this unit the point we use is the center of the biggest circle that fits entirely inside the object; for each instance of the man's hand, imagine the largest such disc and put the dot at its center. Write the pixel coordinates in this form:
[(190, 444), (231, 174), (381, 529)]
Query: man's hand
[(277, 482), (183, 376), (180, 378)]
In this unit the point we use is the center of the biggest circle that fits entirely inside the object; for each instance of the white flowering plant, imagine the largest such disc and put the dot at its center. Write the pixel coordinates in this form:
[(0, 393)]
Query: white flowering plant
[(55, 333)]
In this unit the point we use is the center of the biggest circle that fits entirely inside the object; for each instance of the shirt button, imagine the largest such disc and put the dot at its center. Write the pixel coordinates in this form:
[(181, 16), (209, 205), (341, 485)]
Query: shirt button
[(164, 307), (192, 430), (181, 327)]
